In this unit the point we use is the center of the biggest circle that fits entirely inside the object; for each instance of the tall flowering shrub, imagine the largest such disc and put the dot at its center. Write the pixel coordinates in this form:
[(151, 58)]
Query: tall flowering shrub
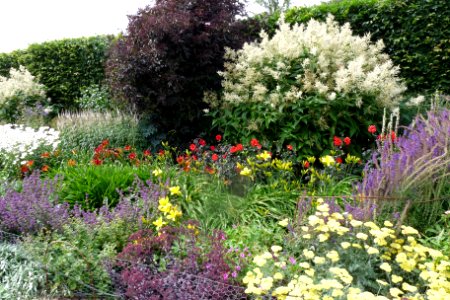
[(317, 76), (414, 167), (20, 94)]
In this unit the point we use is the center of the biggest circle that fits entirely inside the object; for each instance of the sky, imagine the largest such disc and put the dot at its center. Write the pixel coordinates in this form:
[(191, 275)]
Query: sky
[(23, 22)]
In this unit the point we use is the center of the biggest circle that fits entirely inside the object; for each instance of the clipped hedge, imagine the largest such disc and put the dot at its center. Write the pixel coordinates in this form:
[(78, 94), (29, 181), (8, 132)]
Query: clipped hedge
[(416, 34), (65, 66)]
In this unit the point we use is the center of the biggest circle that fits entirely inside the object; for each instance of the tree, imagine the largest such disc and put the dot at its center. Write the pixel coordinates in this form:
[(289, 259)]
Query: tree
[(274, 5), (170, 56)]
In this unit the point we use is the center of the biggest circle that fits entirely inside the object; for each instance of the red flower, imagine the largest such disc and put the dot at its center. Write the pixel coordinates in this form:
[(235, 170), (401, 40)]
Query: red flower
[(212, 148), (393, 136), (180, 159), (127, 148), (105, 142), (132, 155), (218, 137), (337, 141), (306, 164), (255, 143), (239, 147), (192, 147), (214, 157), (161, 152), (147, 152), (224, 156), (45, 155), (44, 168), (289, 147), (339, 160), (202, 142), (194, 157), (24, 169), (233, 149), (372, 129), (97, 162), (98, 149), (347, 140)]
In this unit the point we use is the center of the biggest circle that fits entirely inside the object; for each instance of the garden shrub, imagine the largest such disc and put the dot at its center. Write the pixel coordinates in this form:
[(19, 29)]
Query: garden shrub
[(65, 66), (92, 186), (22, 98), (20, 276), (334, 255), (413, 168), (414, 32), (33, 208), (170, 56), (87, 129), (180, 262), (305, 85), (9, 61), (95, 98)]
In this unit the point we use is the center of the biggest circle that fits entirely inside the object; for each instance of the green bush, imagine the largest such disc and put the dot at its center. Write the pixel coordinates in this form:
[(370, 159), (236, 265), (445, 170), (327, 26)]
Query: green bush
[(74, 260), (20, 276), (65, 66), (91, 186), (305, 85), (414, 32)]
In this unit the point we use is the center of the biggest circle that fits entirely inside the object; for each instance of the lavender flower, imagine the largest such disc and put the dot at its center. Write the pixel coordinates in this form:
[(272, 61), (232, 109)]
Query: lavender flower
[(33, 208)]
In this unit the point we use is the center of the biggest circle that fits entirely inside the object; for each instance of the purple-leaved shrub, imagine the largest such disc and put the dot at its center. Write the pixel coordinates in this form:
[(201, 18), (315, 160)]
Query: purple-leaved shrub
[(173, 265)]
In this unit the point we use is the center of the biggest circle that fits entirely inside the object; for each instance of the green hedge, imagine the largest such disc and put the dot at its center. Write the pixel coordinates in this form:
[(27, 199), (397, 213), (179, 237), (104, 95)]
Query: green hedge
[(65, 66), (416, 34)]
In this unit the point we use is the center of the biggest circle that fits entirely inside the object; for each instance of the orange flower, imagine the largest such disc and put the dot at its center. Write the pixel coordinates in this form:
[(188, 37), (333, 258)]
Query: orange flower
[(127, 148), (71, 162), (45, 155), (24, 169), (30, 163), (44, 168)]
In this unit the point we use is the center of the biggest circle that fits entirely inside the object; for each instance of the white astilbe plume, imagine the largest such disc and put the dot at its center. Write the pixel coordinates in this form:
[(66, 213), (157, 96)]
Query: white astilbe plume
[(319, 58), (19, 81)]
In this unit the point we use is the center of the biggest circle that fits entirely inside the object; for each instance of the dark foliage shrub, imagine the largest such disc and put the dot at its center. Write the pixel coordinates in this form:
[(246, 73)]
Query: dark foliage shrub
[(170, 56), (172, 265), (415, 33)]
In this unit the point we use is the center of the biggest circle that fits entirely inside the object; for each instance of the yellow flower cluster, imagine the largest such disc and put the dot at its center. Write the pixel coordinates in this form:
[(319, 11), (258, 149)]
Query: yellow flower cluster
[(170, 212), (332, 242)]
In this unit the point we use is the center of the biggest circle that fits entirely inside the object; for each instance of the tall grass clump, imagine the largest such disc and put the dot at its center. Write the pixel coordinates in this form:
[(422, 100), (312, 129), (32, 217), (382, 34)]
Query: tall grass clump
[(87, 129), (414, 168)]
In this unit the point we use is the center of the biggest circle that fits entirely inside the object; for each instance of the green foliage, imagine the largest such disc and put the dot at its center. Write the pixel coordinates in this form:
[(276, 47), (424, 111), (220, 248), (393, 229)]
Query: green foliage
[(96, 98), (9, 60), (20, 276), (76, 258), (65, 66), (87, 129), (217, 205), (415, 33), (92, 186), (303, 86)]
